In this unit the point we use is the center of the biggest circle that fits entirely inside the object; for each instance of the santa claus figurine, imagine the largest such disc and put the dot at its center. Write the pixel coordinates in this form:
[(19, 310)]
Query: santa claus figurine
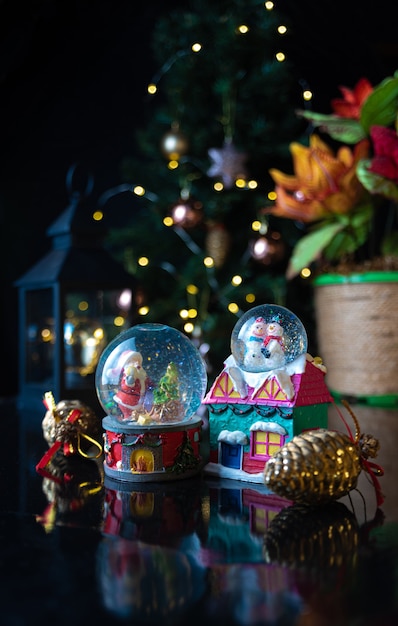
[(133, 385)]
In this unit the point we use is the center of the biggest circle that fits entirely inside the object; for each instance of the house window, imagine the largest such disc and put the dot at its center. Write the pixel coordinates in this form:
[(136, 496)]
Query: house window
[(266, 443), (260, 519)]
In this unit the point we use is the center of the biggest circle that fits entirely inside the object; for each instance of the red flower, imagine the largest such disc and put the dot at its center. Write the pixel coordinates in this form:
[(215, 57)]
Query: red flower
[(350, 104), (385, 145)]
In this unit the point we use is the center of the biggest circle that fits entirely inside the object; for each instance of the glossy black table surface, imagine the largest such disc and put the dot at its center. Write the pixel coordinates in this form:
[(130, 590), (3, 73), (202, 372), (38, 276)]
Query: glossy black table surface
[(95, 551)]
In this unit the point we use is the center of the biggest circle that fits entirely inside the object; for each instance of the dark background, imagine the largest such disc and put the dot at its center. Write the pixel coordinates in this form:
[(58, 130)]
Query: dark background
[(73, 77)]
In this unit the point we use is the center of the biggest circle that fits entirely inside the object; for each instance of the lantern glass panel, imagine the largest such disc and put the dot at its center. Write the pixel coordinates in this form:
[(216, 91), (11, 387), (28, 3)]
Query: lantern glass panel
[(40, 336), (92, 319)]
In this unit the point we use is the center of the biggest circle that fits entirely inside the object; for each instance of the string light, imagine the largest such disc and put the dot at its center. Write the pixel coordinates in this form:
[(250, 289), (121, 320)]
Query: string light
[(168, 221), (138, 190), (243, 29), (143, 310), (143, 261), (282, 30), (256, 225), (98, 216), (152, 87), (189, 327), (280, 57), (236, 280), (305, 272), (233, 307), (250, 298), (218, 186), (307, 95), (208, 261), (269, 5)]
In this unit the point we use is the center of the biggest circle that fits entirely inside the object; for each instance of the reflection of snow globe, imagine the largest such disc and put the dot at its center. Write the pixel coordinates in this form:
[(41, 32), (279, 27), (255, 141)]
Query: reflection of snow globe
[(267, 337), (150, 380)]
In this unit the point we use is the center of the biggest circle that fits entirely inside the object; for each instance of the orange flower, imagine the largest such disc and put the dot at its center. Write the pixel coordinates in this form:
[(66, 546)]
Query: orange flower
[(350, 104), (323, 183)]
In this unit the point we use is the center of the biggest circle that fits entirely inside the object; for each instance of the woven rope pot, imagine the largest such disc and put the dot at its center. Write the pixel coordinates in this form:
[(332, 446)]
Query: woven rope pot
[(357, 332)]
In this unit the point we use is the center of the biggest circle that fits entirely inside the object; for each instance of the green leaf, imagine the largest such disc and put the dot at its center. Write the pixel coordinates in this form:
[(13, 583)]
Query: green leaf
[(380, 108), (390, 245), (339, 128), (375, 183), (310, 247)]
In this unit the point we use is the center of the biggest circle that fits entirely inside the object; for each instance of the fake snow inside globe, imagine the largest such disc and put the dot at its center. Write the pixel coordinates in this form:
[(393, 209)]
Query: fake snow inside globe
[(267, 337), (151, 374)]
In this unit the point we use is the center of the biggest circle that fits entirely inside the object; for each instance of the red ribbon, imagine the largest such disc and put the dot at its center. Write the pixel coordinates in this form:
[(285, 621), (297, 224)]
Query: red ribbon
[(371, 468), (41, 467)]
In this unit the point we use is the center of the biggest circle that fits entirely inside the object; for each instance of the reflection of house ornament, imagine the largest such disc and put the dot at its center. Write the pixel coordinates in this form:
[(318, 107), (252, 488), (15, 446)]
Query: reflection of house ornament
[(256, 405)]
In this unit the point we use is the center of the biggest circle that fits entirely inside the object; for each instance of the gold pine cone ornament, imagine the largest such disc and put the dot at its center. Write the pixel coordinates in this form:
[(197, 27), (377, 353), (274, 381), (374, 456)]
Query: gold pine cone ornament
[(322, 465)]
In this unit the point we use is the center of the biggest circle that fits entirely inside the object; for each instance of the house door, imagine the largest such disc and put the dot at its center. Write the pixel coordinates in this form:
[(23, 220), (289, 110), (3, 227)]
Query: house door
[(231, 455)]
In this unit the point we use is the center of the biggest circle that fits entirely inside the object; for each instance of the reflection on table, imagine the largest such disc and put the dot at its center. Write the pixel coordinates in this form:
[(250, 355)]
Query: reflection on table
[(205, 549)]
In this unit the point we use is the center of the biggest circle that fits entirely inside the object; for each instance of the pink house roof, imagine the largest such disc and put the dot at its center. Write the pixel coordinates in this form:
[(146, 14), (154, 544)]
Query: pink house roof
[(309, 388)]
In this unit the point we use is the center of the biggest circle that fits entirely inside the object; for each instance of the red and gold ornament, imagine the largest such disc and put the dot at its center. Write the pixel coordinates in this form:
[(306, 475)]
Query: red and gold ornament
[(69, 427)]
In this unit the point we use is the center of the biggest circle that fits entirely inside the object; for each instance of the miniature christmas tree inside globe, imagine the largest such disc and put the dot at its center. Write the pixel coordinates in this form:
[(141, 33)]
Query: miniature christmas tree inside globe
[(151, 374), (267, 337)]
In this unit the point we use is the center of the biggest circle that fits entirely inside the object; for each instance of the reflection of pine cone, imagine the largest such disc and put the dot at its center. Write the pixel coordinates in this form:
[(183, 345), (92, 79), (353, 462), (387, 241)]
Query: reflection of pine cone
[(315, 467), (312, 537)]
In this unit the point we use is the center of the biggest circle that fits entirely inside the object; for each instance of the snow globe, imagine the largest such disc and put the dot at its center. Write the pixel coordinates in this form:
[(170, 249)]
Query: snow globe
[(269, 390), (150, 381)]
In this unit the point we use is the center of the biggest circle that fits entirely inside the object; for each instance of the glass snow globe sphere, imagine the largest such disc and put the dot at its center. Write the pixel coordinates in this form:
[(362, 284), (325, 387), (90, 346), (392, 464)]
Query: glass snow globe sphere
[(267, 337), (151, 374)]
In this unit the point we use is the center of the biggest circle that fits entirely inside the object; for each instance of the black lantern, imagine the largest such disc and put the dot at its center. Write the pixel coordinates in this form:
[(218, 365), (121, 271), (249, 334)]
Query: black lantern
[(71, 304)]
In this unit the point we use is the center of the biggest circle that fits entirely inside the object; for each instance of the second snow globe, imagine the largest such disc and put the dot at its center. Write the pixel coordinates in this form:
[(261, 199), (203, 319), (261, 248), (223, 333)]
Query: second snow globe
[(150, 381)]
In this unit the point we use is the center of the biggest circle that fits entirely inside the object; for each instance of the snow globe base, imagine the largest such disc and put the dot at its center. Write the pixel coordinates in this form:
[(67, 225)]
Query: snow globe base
[(139, 453)]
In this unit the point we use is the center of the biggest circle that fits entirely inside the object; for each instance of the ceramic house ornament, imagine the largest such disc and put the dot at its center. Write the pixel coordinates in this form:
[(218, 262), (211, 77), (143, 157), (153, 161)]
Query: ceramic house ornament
[(150, 381), (269, 390)]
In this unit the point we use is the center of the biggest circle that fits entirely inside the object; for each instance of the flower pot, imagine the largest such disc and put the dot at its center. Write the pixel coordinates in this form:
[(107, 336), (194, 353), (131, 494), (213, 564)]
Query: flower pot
[(357, 331)]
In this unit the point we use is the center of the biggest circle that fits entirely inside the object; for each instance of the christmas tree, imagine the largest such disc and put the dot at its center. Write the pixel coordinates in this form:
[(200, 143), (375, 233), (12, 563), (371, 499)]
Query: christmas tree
[(219, 114)]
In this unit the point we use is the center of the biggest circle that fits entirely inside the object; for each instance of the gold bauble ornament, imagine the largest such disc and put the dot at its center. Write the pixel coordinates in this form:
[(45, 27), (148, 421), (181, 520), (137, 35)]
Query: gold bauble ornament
[(174, 143), (57, 425)]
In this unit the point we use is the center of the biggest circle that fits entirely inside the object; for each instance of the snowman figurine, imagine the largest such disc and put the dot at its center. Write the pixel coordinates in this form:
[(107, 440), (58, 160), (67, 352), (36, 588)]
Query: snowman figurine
[(273, 345), (255, 355)]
